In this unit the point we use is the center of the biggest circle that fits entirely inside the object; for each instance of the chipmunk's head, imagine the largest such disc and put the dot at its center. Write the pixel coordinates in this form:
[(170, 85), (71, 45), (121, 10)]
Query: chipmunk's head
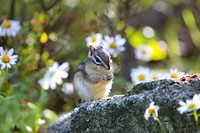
[(100, 57)]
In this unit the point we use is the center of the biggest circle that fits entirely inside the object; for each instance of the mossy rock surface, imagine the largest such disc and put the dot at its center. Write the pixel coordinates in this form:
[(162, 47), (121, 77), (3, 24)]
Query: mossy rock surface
[(126, 114)]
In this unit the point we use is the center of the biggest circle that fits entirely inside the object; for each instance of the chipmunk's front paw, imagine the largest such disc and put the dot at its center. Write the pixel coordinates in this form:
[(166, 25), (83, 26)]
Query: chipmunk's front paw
[(107, 77)]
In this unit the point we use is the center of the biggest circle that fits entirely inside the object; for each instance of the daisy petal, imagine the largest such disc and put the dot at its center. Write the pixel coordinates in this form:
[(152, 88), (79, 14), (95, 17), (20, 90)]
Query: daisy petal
[(10, 52)]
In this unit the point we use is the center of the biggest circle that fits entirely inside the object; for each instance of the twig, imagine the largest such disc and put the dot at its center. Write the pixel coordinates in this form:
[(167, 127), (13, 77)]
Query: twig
[(12, 9), (50, 4)]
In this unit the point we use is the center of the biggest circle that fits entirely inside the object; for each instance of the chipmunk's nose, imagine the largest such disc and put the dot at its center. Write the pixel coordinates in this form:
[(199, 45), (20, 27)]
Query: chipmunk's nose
[(108, 67)]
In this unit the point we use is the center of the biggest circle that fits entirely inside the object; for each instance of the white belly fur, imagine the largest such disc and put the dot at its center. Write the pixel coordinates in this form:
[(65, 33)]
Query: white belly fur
[(88, 91)]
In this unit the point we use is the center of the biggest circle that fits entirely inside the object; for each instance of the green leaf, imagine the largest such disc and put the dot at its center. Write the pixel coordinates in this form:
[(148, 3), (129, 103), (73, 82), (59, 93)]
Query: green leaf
[(146, 3)]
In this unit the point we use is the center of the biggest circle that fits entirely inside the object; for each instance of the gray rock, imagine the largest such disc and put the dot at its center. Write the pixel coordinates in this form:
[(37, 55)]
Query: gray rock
[(126, 114)]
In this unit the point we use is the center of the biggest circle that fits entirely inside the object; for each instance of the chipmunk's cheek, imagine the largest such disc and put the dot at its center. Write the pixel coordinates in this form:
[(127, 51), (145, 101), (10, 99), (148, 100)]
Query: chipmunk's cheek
[(100, 68)]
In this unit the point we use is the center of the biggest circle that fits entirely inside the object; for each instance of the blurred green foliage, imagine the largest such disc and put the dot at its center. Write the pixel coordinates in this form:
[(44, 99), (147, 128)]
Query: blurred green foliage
[(55, 30)]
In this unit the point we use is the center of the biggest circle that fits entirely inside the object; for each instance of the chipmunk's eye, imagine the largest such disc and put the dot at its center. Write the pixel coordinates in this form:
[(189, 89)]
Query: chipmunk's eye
[(97, 60)]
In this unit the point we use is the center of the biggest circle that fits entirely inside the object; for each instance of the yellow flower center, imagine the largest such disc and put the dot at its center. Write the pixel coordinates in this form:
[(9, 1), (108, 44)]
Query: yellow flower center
[(6, 24), (174, 75), (191, 106), (154, 78), (94, 39), (144, 52), (151, 110), (5, 59), (113, 45), (141, 77)]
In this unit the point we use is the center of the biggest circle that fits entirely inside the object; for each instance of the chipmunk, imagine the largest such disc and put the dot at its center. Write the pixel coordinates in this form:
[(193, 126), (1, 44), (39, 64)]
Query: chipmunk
[(93, 77)]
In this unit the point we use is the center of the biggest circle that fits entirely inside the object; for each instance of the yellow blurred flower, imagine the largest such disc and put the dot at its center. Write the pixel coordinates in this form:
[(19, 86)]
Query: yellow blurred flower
[(44, 37), (159, 50)]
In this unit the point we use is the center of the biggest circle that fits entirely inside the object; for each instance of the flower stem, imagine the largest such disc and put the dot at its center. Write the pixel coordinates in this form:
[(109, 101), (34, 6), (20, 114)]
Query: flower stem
[(161, 126), (4, 87), (7, 78), (196, 120)]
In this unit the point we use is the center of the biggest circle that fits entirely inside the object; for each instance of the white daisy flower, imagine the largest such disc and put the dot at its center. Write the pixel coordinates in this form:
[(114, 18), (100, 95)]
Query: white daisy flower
[(94, 40), (158, 75), (189, 105), (140, 74), (9, 28), (114, 45), (154, 75), (152, 110), (143, 52), (7, 59), (175, 74), (163, 75), (54, 75)]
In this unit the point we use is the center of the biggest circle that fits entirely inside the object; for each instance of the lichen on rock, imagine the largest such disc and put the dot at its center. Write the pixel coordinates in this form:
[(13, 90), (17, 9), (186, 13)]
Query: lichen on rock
[(126, 114)]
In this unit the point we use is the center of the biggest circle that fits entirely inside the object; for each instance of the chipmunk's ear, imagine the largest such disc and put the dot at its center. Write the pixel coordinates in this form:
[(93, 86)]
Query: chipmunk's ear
[(91, 50)]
